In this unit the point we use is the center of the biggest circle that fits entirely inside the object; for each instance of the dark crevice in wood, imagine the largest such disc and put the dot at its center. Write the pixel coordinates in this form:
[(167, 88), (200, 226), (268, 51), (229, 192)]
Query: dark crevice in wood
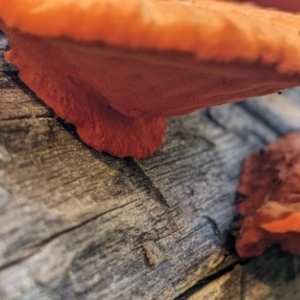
[(10, 69), (214, 276), (191, 233), (210, 116), (214, 226), (68, 127), (242, 285), (205, 281), (239, 197), (59, 234), (20, 259), (246, 132), (153, 191), (260, 118)]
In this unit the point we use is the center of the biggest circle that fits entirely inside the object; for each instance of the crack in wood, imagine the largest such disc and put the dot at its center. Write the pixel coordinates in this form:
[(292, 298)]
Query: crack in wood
[(204, 281), (242, 284), (211, 117), (259, 117), (69, 229), (153, 191), (214, 226)]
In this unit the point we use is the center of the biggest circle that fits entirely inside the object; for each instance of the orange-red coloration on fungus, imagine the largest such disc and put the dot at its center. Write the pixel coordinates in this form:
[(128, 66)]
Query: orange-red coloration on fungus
[(287, 5), (115, 70), (270, 181)]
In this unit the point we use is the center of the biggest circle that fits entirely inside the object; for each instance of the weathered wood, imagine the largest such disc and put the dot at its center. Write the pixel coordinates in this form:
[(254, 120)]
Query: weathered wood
[(272, 276), (78, 224)]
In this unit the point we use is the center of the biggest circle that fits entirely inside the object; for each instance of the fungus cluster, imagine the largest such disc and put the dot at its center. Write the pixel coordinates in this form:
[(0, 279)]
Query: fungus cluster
[(270, 183)]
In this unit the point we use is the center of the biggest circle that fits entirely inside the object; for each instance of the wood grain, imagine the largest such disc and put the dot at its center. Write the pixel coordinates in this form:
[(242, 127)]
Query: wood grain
[(79, 224), (272, 276)]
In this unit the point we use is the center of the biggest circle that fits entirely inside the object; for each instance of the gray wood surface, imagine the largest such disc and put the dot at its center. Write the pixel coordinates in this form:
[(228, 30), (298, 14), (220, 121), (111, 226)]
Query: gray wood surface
[(78, 224)]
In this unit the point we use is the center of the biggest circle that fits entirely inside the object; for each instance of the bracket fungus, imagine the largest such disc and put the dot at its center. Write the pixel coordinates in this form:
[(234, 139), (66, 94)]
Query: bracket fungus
[(116, 71), (270, 182)]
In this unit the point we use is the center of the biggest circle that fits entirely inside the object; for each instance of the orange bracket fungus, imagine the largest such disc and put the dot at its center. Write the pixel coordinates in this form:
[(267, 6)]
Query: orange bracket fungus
[(270, 183), (115, 70)]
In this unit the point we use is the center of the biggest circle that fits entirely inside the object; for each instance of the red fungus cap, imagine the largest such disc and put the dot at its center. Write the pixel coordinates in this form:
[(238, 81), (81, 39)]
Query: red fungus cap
[(115, 70)]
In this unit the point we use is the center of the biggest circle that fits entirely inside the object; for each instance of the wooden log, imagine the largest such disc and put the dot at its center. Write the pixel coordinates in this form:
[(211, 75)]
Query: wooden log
[(272, 276), (79, 224)]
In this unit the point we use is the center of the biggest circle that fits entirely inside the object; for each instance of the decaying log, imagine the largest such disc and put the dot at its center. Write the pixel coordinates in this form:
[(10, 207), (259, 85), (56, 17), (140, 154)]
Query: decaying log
[(78, 224)]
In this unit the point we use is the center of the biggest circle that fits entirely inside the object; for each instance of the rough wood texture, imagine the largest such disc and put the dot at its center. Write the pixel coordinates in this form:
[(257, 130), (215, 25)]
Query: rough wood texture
[(272, 276), (77, 224)]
